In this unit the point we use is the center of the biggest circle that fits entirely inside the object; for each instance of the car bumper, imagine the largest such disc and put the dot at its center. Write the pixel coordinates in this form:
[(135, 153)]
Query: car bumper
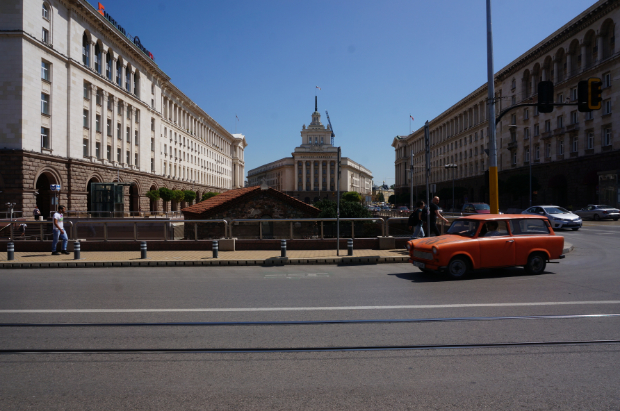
[(573, 224)]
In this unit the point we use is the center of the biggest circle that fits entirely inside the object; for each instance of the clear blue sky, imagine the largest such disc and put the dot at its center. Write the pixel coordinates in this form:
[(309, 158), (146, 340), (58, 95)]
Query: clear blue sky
[(376, 62)]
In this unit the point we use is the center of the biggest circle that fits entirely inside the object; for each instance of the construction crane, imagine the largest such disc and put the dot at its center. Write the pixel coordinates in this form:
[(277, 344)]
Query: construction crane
[(330, 126)]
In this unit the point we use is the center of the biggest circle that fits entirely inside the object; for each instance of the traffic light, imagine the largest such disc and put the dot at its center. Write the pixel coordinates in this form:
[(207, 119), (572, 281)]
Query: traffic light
[(545, 96), (589, 94)]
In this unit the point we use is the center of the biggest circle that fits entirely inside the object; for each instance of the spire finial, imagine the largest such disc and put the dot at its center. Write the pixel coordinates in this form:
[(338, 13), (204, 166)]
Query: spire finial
[(315, 106)]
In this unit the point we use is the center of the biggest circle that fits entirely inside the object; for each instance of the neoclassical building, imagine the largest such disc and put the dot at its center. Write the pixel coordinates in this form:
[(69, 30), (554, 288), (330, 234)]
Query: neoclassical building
[(566, 151), (81, 101), (310, 174)]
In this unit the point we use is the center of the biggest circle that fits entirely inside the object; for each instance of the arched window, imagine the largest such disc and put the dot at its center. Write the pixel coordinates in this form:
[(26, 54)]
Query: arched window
[(119, 72), (128, 78), (97, 58), (108, 66), (85, 50), (136, 83)]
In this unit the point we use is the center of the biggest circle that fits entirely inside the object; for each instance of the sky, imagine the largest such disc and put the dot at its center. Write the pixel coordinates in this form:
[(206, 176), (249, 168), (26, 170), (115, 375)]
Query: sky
[(376, 63)]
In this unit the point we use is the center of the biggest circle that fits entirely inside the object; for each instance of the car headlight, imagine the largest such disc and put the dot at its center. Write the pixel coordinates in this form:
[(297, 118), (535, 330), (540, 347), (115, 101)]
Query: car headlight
[(435, 250), (408, 247)]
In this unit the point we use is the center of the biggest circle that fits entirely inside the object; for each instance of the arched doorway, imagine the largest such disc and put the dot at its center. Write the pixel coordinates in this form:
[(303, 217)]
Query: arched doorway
[(154, 204), (134, 200), (45, 196), (89, 206)]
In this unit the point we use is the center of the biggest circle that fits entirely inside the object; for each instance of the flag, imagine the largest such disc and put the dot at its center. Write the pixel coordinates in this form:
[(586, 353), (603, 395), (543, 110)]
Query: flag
[(411, 117), (237, 117), (318, 87)]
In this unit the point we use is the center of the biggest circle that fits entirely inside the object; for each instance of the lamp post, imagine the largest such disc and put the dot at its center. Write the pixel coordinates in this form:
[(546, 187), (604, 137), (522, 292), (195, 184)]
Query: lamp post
[(411, 183), (453, 167)]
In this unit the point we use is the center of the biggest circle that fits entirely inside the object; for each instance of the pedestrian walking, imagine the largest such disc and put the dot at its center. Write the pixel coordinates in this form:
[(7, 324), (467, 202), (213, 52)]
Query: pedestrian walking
[(435, 214), (59, 232), (415, 221), (36, 213)]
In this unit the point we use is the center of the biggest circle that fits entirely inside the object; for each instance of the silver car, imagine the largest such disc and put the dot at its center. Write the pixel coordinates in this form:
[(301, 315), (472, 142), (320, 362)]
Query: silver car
[(599, 212), (558, 217)]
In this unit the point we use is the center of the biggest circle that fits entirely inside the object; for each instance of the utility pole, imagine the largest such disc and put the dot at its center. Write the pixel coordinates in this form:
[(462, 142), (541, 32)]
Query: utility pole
[(338, 205), (411, 183), (427, 144), (493, 188)]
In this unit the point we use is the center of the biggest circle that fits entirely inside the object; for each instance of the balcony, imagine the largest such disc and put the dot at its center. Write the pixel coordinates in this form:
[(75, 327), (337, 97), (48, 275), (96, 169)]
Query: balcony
[(572, 127), (558, 131)]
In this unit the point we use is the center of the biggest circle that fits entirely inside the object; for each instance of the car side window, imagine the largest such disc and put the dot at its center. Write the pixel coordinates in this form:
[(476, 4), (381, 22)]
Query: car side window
[(493, 229), (528, 226)]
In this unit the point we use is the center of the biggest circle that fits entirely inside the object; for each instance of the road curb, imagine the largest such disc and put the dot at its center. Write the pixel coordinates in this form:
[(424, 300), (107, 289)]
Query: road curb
[(568, 247), (274, 261)]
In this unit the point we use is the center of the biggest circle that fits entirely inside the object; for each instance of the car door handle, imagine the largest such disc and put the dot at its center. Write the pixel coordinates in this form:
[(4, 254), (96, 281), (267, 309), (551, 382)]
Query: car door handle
[(510, 241)]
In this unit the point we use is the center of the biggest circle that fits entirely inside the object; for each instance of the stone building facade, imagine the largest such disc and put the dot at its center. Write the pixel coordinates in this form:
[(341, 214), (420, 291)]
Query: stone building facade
[(564, 150), (81, 101), (310, 174)]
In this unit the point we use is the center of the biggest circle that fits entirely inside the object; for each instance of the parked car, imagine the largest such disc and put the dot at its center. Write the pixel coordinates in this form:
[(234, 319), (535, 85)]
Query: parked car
[(476, 208), (403, 210), (488, 241), (599, 212), (558, 216)]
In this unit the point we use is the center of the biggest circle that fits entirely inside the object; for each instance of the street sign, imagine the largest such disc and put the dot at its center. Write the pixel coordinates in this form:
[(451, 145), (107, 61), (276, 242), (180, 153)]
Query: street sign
[(55, 187)]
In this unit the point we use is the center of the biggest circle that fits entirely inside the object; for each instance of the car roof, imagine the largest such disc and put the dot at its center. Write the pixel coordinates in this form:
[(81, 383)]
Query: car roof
[(545, 205), (500, 217)]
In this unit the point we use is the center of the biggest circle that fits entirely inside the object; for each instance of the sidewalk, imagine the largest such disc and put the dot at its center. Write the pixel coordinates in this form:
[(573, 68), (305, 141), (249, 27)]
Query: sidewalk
[(203, 258)]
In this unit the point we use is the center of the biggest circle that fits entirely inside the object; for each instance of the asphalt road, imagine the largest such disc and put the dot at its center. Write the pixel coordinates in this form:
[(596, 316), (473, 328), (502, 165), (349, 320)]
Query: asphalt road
[(581, 376)]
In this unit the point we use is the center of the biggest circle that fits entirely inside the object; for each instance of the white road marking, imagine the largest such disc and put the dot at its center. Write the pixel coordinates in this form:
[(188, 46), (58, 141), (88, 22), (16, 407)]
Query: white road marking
[(362, 307)]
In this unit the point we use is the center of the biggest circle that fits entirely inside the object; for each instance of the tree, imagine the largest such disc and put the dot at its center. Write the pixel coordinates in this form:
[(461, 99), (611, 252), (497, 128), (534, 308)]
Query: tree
[(189, 195), (208, 195), (380, 198), (166, 195), (153, 195), (352, 196), (178, 195), (348, 209)]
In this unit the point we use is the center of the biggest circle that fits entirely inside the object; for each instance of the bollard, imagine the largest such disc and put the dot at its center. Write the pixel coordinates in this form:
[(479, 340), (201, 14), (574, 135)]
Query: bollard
[(76, 250), (10, 251), (350, 246), (143, 250), (216, 248), (283, 248)]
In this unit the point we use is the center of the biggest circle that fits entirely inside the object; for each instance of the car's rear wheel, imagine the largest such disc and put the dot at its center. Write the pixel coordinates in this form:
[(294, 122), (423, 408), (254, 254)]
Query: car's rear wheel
[(575, 229), (536, 263), (615, 219), (458, 268), (596, 217)]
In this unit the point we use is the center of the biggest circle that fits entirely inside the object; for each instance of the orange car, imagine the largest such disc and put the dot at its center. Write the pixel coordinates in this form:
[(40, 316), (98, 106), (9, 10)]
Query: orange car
[(489, 241)]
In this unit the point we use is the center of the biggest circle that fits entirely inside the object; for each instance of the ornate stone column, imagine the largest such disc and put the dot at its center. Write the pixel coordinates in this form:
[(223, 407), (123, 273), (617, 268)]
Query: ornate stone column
[(311, 175), (320, 176), (303, 176)]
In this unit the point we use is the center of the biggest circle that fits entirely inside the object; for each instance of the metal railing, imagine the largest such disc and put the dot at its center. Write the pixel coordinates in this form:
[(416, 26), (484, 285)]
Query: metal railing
[(316, 229), (7, 214), (44, 231), (130, 230), (121, 214)]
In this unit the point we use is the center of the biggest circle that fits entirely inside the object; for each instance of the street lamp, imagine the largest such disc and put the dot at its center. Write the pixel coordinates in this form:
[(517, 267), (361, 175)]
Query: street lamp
[(10, 207), (453, 167)]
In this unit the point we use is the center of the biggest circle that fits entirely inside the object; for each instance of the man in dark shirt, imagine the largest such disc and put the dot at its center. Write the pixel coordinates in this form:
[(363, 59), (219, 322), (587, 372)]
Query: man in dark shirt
[(435, 214)]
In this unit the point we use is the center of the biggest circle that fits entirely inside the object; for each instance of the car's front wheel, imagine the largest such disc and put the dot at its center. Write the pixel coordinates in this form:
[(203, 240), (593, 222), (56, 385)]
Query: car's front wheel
[(536, 263), (457, 268), (575, 229), (596, 217)]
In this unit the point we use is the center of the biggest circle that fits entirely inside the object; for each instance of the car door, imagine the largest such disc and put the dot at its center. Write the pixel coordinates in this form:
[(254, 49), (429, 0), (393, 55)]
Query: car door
[(590, 210), (529, 234), (496, 250)]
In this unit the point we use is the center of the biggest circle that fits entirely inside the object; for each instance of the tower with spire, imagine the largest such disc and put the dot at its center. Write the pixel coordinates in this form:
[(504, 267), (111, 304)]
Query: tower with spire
[(316, 134)]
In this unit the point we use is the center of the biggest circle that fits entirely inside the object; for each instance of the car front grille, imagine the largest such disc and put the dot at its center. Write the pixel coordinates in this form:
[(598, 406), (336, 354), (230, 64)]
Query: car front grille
[(422, 254)]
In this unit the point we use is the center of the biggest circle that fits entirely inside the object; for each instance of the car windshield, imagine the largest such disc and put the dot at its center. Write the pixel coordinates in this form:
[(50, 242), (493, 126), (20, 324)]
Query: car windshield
[(603, 206), (466, 228), (482, 206), (556, 210)]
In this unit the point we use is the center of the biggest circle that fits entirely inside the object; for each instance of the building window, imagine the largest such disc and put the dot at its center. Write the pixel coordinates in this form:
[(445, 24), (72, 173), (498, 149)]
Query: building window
[(45, 104), (590, 141), (110, 103), (136, 83), (45, 137), (98, 150), (589, 115), (607, 107), (128, 79), (118, 155), (108, 125), (606, 80), (128, 135), (86, 91), (547, 150), (527, 155), (561, 146), (574, 119), (607, 137), (45, 11), (547, 126), (537, 152), (560, 98), (526, 133), (136, 139), (135, 160), (152, 124), (97, 58), (108, 66), (45, 36), (85, 50), (128, 157), (514, 158), (536, 130), (526, 114), (85, 118), (45, 71), (137, 116), (513, 100), (152, 144), (560, 121), (97, 123), (85, 147), (109, 153), (535, 110), (574, 144), (152, 165), (119, 73), (129, 110), (119, 109), (118, 131), (98, 97)]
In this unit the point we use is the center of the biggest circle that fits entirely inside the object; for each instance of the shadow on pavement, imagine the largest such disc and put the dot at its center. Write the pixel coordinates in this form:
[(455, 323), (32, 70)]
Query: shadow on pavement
[(417, 276)]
